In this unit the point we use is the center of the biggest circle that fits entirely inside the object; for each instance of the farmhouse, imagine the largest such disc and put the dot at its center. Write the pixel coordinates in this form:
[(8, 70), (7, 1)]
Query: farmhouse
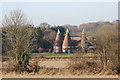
[(67, 45)]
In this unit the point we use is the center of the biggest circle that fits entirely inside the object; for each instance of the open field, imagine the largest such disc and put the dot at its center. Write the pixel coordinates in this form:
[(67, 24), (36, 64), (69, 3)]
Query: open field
[(62, 55), (57, 67), (54, 64), (58, 76), (52, 55), (13, 75)]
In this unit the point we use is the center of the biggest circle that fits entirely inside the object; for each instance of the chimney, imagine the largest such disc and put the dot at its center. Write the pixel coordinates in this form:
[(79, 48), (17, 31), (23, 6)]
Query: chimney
[(58, 43), (67, 43)]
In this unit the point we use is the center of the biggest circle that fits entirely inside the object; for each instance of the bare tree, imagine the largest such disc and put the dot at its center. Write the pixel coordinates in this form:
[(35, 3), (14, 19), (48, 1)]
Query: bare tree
[(107, 38), (16, 18), (18, 36)]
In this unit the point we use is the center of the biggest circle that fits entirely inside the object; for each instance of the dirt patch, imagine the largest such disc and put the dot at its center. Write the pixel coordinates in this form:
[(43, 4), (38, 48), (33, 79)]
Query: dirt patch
[(54, 64)]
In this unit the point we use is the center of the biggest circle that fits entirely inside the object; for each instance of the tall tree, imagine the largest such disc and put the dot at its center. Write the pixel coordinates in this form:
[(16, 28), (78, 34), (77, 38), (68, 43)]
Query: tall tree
[(18, 35), (49, 36), (16, 18), (107, 40)]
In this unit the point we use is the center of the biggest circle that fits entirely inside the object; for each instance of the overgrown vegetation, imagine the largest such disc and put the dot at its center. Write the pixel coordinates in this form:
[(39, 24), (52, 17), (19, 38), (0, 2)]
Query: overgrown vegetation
[(107, 46), (106, 50)]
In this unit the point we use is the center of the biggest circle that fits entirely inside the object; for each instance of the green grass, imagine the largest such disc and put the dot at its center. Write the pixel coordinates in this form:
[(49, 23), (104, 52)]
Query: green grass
[(87, 55), (52, 54), (62, 55)]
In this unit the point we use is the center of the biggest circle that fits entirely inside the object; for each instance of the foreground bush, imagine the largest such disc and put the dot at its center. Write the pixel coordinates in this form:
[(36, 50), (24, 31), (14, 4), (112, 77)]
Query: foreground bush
[(82, 65)]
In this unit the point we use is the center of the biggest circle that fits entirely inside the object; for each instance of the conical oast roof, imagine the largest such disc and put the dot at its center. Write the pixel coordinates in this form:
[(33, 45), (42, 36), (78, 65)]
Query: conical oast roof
[(83, 32), (67, 40), (58, 39), (83, 39)]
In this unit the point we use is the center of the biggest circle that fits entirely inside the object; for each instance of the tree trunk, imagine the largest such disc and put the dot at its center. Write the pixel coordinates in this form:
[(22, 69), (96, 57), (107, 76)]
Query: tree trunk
[(104, 62)]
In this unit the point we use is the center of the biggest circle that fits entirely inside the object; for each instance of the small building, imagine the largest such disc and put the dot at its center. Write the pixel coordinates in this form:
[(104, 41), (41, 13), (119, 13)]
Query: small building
[(67, 46), (83, 43), (86, 46), (90, 48), (58, 43)]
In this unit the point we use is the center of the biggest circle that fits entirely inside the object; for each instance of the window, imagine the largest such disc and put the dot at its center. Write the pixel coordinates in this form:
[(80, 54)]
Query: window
[(57, 51), (57, 47), (64, 51)]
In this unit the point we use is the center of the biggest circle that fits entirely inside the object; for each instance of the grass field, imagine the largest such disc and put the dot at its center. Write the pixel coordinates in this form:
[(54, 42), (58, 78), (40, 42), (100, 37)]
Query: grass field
[(52, 55), (63, 55)]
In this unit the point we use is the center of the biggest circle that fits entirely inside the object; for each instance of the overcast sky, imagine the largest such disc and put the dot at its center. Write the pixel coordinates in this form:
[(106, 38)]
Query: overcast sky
[(59, 13)]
